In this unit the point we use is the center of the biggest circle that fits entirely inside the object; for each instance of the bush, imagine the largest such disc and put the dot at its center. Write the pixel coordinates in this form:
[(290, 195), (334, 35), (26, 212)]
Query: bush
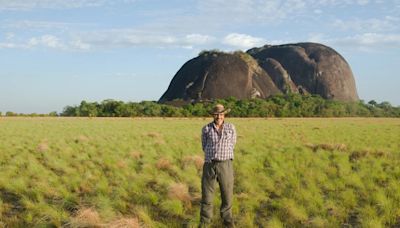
[(288, 105)]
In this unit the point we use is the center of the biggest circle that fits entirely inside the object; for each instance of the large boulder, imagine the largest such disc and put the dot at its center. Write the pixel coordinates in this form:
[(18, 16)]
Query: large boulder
[(262, 72), (214, 75), (312, 67)]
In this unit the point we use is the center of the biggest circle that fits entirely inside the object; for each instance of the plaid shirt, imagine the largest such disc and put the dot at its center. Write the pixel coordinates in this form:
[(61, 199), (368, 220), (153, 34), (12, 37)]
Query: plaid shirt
[(218, 146)]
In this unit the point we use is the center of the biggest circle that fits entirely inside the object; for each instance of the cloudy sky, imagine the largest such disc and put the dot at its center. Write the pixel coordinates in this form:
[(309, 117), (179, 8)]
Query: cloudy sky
[(56, 53)]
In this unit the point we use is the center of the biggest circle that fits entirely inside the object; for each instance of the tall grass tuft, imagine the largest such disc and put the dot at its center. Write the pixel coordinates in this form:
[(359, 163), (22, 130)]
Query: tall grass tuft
[(86, 217)]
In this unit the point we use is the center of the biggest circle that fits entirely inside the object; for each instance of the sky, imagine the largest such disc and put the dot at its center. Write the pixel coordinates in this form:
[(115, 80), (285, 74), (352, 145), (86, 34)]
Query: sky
[(55, 53)]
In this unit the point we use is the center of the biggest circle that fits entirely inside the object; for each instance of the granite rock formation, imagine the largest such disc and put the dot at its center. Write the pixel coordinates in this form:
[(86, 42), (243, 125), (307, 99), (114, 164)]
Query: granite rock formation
[(261, 72)]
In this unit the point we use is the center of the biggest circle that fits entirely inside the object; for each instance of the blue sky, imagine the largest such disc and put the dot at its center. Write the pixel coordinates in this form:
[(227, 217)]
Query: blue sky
[(56, 53)]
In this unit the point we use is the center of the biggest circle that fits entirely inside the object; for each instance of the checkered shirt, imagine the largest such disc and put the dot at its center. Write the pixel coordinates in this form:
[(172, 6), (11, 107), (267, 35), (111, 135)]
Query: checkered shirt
[(215, 146)]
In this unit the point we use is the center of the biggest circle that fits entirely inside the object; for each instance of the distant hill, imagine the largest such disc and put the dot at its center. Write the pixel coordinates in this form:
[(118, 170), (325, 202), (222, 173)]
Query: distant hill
[(305, 68)]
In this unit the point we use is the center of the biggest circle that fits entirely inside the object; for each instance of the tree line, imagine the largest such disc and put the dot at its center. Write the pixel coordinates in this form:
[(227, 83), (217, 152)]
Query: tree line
[(288, 105)]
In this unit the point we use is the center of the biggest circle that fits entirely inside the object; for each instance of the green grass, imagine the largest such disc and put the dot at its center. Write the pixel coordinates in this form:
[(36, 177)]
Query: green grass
[(288, 172)]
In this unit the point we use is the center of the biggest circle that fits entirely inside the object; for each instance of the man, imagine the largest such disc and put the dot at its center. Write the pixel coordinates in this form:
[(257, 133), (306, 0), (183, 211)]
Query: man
[(218, 141)]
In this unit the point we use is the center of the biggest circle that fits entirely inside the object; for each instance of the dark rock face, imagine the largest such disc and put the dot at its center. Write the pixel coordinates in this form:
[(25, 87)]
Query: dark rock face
[(279, 75), (315, 68), (219, 75), (262, 72)]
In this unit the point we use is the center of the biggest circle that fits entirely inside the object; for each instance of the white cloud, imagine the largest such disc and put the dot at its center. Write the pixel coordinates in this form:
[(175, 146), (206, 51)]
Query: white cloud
[(242, 41), (250, 10), (37, 25), (372, 40), (50, 4), (362, 2), (7, 45), (338, 2), (387, 23), (127, 38), (105, 39), (363, 42), (198, 39), (78, 44), (55, 4), (114, 39), (262, 11), (117, 38), (46, 41), (50, 41)]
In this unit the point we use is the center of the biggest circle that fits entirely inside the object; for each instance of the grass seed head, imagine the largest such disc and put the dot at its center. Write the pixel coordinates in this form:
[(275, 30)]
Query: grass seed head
[(136, 154), (163, 164), (42, 147), (86, 217), (197, 160), (125, 223), (121, 164), (179, 191)]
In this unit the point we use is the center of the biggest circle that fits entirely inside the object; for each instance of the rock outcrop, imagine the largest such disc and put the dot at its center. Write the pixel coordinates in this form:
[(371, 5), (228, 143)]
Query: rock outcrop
[(262, 72)]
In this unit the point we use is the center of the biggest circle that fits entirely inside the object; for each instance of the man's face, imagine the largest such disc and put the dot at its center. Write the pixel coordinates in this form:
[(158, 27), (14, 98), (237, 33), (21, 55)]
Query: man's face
[(219, 118)]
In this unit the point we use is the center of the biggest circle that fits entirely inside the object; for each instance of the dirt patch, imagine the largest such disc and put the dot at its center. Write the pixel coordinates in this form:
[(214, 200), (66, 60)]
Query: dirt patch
[(12, 205), (328, 147), (154, 135), (359, 154), (43, 147), (81, 139)]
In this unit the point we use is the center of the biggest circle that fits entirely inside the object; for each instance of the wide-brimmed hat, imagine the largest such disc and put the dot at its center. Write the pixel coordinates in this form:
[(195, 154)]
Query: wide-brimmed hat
[(219, 108)]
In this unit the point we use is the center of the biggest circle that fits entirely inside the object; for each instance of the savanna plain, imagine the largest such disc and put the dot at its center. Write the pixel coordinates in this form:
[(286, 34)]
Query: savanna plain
[(146, 172)]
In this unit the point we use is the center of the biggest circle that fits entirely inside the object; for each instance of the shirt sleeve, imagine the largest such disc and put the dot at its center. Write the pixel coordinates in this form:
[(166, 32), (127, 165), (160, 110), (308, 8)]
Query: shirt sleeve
[(234, 135), (203, 139)]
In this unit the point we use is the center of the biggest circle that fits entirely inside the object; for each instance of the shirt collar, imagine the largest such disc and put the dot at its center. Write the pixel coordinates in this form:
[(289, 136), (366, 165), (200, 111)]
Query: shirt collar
[(214, 126)]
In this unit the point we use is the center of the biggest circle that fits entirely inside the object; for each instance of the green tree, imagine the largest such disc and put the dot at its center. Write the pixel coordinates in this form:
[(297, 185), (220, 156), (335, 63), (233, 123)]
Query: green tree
[(54, 113), (109, 108), (171, 111), (88, 109), (70, 111), (283, 105), (9, 113), (373, 103), (150, 108)]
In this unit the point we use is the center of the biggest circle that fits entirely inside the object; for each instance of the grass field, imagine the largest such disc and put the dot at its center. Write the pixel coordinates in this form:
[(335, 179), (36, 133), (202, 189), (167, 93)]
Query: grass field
[(118, 172)]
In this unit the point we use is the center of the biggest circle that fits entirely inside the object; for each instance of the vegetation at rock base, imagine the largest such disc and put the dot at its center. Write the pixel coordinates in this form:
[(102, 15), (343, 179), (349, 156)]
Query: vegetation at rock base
[(290, 105), (145, 172)]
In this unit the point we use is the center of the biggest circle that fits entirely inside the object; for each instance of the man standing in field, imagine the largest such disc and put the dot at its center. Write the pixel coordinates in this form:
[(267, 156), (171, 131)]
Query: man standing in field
[(218, 141)]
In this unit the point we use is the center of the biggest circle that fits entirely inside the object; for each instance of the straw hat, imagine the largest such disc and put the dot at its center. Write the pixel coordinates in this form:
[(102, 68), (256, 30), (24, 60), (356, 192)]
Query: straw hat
[(219, 108)]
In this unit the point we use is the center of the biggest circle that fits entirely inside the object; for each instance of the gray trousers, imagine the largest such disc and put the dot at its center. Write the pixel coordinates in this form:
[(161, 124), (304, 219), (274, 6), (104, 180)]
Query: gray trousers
[(221, 172)]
